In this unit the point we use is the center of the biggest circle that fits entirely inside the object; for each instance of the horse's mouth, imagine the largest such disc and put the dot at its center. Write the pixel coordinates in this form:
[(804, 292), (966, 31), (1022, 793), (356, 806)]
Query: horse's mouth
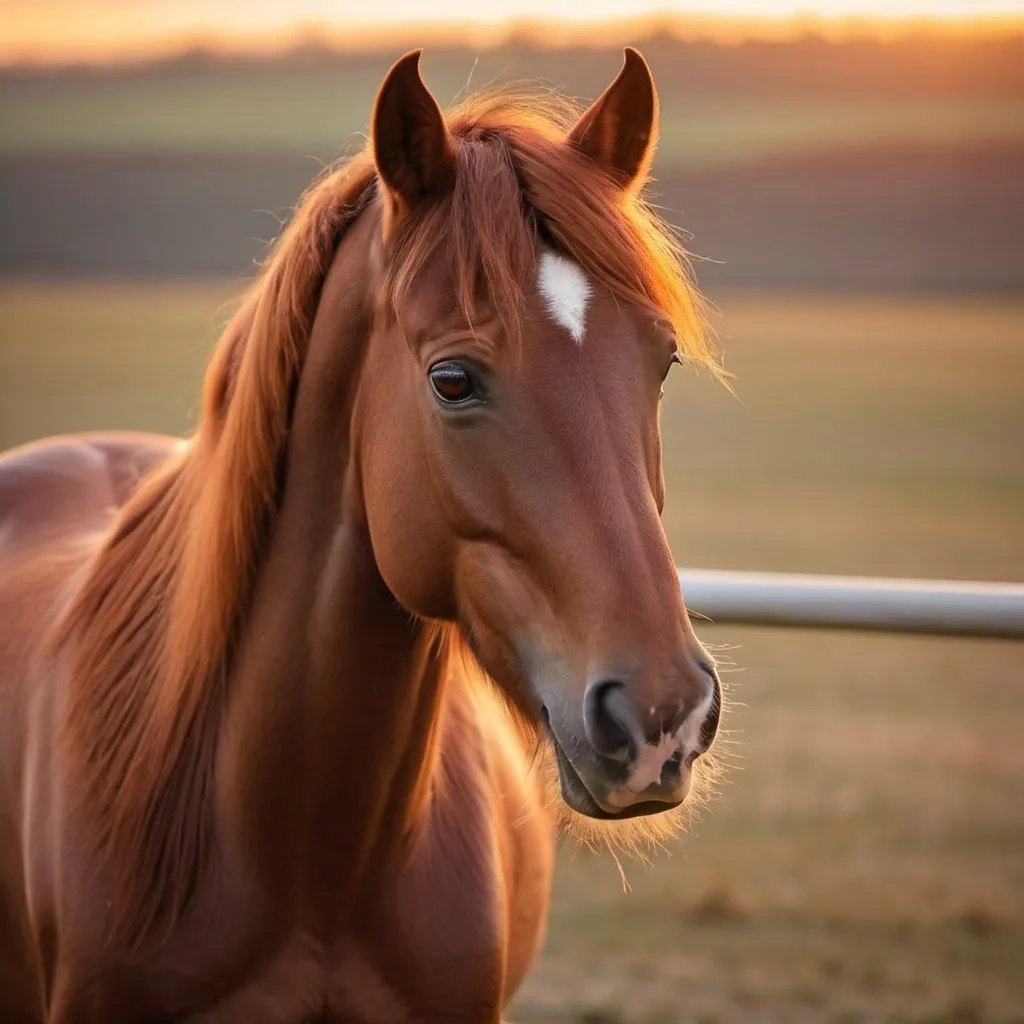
[(579, 798)]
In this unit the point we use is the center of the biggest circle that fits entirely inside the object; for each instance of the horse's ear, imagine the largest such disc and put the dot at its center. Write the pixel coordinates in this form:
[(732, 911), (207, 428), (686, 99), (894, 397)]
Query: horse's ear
[(620, 129), (411, 143)]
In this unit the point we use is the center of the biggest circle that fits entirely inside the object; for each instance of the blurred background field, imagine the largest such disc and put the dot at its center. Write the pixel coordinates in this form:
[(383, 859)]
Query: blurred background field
[(859, 211)]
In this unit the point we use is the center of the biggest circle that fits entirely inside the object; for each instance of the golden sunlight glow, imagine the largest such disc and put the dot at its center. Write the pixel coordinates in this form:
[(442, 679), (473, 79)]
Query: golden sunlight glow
[(61, 29)]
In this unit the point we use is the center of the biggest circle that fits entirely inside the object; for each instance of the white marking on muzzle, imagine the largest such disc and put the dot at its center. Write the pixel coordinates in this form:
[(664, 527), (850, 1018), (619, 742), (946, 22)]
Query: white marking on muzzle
[(566, 291), (651, 760), (693, 724)]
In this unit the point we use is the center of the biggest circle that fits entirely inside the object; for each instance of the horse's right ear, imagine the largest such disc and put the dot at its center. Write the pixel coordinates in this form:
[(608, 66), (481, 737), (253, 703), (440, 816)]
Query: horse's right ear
[(620, 129), (411, 143)]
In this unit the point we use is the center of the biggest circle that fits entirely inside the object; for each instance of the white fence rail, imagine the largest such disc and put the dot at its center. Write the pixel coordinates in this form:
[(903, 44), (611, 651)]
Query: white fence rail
[(933, 607)]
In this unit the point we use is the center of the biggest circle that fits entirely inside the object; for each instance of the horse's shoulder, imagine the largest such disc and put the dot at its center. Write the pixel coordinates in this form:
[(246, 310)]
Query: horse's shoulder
[(75, 482)]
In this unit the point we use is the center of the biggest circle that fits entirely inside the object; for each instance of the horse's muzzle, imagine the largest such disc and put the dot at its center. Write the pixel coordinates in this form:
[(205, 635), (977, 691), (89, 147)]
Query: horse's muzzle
[(629, 765)]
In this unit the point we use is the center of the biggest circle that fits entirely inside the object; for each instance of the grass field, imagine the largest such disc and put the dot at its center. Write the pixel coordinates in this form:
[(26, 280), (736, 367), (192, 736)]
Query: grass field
[(323, 113), (865, 860)]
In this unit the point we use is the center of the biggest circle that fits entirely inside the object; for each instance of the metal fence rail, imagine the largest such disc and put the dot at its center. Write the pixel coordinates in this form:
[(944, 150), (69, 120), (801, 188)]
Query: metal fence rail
[(933, 607)]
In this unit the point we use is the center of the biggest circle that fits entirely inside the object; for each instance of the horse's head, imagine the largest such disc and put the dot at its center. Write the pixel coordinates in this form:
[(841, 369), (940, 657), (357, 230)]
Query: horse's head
[(510, 454)]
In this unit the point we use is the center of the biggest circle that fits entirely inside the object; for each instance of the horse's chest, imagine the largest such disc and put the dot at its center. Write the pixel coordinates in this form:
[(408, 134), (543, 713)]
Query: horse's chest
[(429, 946), (305, 981), (362, 980)]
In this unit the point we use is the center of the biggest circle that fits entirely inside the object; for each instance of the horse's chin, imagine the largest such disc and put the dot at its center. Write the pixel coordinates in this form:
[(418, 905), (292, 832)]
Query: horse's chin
[(635, 831), (579, 799)]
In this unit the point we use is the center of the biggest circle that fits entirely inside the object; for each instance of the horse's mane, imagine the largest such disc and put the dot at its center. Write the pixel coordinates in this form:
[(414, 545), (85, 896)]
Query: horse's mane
[(151, 632)]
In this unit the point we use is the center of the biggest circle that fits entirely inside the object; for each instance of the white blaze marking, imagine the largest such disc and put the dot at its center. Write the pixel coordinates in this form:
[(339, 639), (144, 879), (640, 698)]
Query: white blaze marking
[(566, 290)]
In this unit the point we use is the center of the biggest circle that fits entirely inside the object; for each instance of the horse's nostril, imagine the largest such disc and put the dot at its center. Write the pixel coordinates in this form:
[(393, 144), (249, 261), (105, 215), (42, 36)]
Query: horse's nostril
[(673, 767), (610, 721), (709, 727)]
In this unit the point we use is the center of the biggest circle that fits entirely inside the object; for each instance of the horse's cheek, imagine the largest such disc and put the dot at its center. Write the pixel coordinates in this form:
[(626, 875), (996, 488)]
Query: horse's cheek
[(414, 554)]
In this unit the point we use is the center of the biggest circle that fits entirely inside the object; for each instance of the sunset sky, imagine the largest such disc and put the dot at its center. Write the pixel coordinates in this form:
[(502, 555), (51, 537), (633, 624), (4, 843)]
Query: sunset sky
[(61, 29)]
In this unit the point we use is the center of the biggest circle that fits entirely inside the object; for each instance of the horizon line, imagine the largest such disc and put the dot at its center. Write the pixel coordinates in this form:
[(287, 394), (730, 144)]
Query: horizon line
[(544, 34)]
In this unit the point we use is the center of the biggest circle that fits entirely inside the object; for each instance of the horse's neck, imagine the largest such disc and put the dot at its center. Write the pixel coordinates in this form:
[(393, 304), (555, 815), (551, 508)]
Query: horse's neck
[(335, 690), (332, 706)]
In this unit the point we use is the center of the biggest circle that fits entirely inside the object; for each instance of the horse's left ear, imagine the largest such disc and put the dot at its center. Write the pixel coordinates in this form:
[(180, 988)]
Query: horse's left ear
[(411, 143), (620, 129)]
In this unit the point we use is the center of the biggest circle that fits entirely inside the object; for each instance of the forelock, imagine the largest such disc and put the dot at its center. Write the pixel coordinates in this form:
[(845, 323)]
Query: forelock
[(519, 188)]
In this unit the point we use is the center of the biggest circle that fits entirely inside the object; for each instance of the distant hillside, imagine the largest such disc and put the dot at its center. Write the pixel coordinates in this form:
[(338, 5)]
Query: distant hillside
[(722, 105)]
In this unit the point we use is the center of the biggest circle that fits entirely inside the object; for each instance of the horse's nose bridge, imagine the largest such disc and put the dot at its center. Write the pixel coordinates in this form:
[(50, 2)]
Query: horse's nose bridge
[(632, 577), (613, 583), (609, 496)]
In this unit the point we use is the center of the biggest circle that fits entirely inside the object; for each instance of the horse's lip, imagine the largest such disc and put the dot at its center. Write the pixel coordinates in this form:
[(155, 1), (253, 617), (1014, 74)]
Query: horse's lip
[(578, 796), (574, 789)]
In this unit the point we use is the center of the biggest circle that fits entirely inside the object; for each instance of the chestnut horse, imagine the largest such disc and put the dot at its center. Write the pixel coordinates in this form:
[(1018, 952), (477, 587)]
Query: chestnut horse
[(271, 698)]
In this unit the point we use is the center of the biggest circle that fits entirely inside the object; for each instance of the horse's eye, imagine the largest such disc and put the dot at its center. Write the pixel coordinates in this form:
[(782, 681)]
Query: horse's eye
[(453, 383)]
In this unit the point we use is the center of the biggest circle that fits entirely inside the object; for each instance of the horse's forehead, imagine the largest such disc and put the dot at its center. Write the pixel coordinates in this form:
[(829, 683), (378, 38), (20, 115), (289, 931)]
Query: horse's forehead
[(563, 299)]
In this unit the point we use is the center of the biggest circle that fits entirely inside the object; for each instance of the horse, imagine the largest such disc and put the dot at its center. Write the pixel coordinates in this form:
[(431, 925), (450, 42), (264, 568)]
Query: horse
[(292, 709)]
